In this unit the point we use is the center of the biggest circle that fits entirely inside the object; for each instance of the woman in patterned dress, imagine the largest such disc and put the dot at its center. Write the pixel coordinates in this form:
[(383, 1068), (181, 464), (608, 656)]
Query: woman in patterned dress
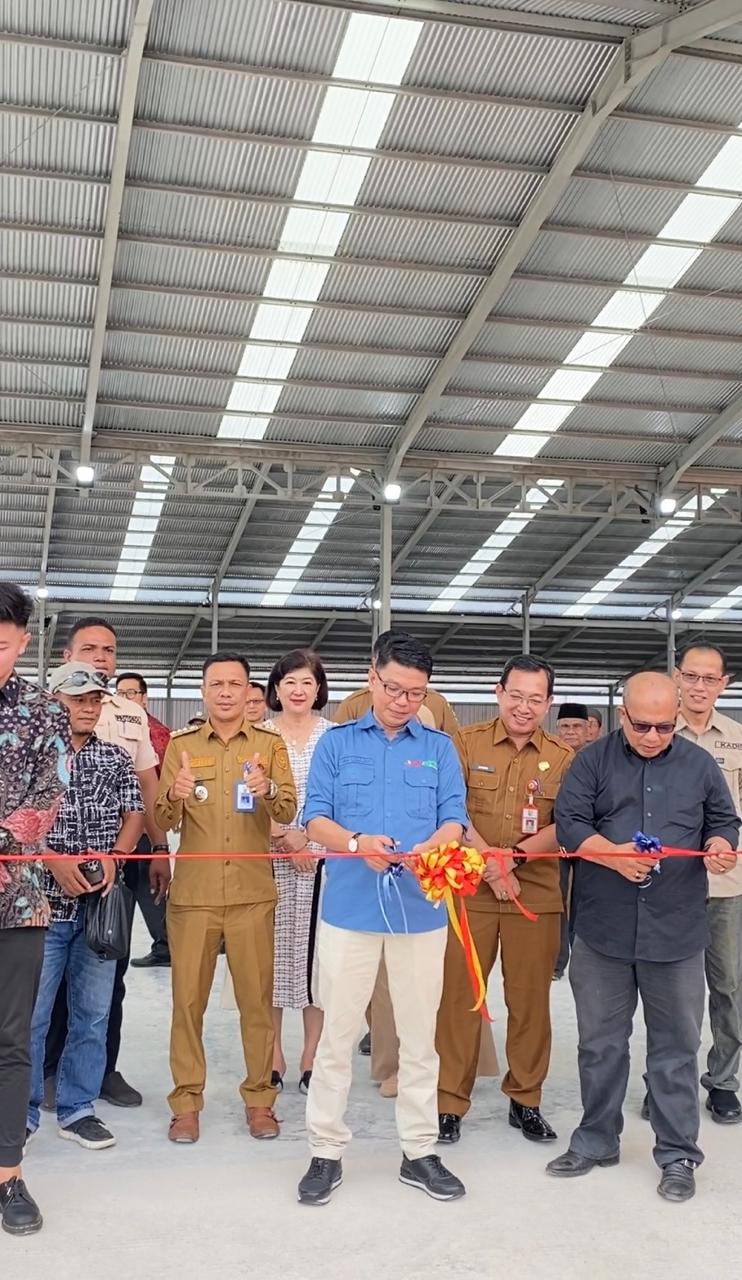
[(297, 692)]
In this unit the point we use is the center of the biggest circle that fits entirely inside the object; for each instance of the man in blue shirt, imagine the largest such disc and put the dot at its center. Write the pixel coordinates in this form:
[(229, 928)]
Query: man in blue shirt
[(386, 774), (641, 926)]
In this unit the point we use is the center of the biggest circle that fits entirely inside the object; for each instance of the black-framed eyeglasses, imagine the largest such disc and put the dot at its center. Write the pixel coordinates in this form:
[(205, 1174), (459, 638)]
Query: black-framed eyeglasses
[(396, 692), (644, 726), (708, 682)]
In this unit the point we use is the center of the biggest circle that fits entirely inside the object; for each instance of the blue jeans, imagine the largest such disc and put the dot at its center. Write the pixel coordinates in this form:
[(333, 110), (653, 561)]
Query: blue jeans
[(89, 990)]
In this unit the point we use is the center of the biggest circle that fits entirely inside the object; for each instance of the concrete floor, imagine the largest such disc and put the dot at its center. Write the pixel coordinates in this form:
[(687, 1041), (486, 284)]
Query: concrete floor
[(226, 1208)]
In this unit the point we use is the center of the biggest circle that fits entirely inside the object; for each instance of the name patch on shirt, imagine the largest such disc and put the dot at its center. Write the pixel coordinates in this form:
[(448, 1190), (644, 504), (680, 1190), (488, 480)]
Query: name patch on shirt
[(421, 764), (727, 746), (484, 768), (202, 762)]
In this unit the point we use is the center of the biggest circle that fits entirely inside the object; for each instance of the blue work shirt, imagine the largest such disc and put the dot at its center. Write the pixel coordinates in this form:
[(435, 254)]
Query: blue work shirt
[(403, 787)]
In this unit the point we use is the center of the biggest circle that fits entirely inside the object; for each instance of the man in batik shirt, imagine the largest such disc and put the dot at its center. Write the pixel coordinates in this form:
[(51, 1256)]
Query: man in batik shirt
[(35, 747)]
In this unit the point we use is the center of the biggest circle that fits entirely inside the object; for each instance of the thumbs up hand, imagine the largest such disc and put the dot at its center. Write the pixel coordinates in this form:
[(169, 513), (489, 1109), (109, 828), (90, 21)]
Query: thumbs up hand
[(257, 779), (185, 780)]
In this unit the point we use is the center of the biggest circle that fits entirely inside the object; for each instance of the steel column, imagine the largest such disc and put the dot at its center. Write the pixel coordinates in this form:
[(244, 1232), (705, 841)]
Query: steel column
[(385, 568)]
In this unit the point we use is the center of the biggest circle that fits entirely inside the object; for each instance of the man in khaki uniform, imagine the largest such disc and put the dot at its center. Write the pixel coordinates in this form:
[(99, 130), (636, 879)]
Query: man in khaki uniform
[(701, 675), (513, 770), (221, 784)]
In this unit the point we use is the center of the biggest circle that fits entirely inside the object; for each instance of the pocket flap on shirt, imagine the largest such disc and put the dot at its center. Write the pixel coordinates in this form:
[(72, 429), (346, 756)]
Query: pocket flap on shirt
[(480, 781), (204, 772), (355, 769), (422, 777)]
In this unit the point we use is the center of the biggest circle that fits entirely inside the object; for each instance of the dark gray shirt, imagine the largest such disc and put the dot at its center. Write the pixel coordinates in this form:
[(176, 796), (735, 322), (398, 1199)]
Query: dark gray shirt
[(680, 797)]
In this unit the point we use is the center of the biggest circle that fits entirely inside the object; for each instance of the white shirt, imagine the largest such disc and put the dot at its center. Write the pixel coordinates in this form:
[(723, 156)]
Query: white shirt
[(125, 724), (722, 738)]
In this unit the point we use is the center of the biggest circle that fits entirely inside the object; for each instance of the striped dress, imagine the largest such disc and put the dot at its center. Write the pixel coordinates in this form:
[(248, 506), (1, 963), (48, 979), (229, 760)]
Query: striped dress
[(297, 910)]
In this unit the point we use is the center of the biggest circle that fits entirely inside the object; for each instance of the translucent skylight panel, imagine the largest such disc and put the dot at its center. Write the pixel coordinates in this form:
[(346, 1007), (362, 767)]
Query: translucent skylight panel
[(663, 266), (598, 349), (375, 49), (725, 170), (312, 231), (569, 384), (701, 217), (628, 310), (266, 362), (236, 428), (302, 281), (526, 446), (332, 178), (246, 397), (280, 324), (352, 117)]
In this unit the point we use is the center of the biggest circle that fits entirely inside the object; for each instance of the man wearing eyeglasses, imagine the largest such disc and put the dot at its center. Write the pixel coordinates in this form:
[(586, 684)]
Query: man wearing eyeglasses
[(641, 925), (513, 770), (702, 677), (378, 785)]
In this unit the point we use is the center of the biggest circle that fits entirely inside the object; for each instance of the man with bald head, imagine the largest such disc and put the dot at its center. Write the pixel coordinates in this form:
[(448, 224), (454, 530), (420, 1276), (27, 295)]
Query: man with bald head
[(641, 926)]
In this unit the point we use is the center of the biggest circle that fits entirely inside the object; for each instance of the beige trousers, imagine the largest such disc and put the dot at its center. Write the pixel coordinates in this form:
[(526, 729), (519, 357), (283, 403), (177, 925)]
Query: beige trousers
[(385, 1045), (348, 965)]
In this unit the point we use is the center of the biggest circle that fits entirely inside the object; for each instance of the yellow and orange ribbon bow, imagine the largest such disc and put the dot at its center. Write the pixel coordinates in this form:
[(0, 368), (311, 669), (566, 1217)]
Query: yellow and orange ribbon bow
[(454, 871)]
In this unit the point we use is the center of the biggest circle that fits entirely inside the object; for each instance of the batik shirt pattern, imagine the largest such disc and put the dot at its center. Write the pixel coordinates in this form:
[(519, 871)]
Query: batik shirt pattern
[(35, 751)]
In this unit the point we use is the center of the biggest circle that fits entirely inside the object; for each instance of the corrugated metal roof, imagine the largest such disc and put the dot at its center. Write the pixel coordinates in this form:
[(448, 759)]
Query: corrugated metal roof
[(37, 254), (275, 33), (163, 310), (183, 267), (217, 99), (437, 243), (39, 76), (82, 21), (48, 202), (446, 188), (653, 151), (511, 63), (56, 145), (200, 218), (692, 88), (476, 130), (223, 163), (616, 206)]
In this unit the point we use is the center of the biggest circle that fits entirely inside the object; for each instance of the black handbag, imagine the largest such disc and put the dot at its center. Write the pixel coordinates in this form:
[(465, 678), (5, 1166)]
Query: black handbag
[(108, 922)]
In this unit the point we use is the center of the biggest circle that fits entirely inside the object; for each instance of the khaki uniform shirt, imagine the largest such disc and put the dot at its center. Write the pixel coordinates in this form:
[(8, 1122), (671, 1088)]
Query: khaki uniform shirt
[(214, 826), (126, 725), (722, 738), (497, 777), (355, 706)]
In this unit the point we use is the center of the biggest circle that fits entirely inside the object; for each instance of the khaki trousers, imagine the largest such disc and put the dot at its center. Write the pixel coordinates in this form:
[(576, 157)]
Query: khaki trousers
[(528, 950), (195, 935), (348, 965), (385, 1044)]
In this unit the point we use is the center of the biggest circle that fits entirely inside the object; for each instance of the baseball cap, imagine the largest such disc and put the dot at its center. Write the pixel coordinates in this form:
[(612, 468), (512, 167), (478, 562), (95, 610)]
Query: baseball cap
[(76, 678)]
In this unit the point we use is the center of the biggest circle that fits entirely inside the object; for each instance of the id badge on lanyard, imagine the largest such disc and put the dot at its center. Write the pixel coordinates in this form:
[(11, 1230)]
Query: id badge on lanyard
[(244, 800), (529, 813)]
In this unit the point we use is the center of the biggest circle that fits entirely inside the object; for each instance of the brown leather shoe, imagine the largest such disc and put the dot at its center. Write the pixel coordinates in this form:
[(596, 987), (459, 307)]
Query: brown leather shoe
[(184, 1128), (262, 1122)]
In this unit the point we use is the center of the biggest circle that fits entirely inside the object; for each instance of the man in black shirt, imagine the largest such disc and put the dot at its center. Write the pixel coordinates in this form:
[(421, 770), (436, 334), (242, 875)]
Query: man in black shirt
[(640, 925)]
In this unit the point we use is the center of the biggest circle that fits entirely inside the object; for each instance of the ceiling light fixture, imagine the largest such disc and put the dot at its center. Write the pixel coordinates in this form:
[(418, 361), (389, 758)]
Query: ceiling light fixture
[(392, 491), (85, 474)]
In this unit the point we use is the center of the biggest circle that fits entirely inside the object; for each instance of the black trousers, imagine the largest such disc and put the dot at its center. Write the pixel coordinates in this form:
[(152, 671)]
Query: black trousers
[(136, 877), (21, 958)]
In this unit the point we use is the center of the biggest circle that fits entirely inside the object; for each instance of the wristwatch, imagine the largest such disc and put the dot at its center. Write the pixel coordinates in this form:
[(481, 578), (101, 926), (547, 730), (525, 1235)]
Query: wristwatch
[(353, 842), (160, 848), (519, 857), (272, 790)]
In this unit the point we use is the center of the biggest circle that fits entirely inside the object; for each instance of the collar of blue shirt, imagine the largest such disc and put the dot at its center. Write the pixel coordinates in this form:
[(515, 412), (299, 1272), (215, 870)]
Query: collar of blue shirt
[(413, 725)]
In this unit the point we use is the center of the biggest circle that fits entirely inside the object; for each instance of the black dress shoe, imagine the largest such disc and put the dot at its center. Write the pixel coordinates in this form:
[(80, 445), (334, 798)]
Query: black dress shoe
[(678, 1180), (152, 960), (449, 1127), (724, 1106), (116, 1091), (573, 1165), (19, 1210), (431, 1176), (530, 1122), (305, 1081), (364, 1047), (320, 1180), (276, 1080), (645, 1107)]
